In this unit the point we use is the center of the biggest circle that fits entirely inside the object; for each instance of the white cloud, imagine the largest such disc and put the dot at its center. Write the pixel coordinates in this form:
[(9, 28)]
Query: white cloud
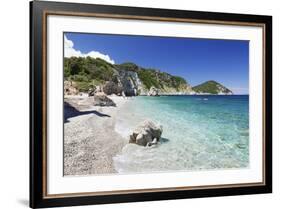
[(69, 51)]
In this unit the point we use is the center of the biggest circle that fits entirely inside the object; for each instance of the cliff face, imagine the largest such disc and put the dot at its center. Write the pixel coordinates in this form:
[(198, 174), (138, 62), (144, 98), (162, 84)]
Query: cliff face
[(131, 79), (130, 82), (142, 79), (212, 87)]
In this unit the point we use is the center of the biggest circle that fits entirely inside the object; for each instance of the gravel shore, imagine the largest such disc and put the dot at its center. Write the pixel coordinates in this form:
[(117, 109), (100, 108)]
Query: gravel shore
[(90, 141)]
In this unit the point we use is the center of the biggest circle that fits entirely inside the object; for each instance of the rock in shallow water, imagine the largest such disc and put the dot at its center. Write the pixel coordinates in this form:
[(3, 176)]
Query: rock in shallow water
[(147, 133)]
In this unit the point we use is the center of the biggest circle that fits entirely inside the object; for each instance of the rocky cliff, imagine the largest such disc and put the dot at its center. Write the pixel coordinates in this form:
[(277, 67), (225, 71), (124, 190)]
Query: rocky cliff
[(127, 78)]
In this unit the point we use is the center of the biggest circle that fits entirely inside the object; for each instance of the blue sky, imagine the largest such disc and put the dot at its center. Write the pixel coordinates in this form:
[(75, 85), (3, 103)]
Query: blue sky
[(196, 60)]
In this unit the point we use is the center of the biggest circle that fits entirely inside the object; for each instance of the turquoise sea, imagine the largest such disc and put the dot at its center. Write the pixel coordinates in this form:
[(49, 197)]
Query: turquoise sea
[(199, 133)]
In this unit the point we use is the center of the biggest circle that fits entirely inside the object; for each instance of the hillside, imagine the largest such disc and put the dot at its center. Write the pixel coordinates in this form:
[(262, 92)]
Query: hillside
[(88, 73), (211, 87)]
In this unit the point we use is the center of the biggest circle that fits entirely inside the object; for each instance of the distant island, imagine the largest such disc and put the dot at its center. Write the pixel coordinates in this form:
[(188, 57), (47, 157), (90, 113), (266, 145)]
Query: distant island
[(90, 75), (211, 87)]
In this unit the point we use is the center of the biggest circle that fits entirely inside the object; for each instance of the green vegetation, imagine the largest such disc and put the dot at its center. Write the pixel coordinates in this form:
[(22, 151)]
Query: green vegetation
[(148, 79), (129, 66), (152, 77), (88, 71), (211, 87), (89, 68)]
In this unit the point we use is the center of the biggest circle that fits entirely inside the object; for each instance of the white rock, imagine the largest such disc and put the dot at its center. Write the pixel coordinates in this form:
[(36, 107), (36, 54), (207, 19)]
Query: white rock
[(147, 133)]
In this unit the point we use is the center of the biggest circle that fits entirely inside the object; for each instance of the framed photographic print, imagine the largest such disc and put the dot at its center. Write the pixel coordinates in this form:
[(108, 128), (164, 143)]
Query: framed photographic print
[(140, 104)]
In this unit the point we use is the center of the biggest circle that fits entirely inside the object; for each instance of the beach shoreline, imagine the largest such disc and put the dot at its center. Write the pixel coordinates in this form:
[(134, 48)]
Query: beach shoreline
[(90, 139), (97, 138)]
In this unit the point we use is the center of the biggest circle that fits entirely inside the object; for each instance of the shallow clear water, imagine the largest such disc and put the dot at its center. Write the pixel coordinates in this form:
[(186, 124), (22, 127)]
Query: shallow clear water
[(199, 133)]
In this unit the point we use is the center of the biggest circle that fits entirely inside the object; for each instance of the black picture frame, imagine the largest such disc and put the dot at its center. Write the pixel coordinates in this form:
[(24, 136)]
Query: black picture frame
[(38, 12)]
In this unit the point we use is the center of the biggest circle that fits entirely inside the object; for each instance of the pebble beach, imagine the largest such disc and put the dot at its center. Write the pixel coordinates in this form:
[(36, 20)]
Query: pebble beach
[(90, 141)]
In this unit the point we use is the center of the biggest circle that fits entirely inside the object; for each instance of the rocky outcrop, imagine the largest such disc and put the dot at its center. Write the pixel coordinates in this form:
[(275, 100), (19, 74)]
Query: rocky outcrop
[(101, 99), (146, 134), (153, 91), (130, 82), (70, 88), (112, 88)]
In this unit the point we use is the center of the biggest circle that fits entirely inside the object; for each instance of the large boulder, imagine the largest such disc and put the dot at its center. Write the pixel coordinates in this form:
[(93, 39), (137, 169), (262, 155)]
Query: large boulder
[(101, 99), (146, 134), (153, 91), (112, 88), (70, 88)]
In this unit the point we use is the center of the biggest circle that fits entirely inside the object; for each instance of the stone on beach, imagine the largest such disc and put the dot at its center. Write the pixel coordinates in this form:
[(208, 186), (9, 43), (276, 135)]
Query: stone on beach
[(146, 134), (101, 99)]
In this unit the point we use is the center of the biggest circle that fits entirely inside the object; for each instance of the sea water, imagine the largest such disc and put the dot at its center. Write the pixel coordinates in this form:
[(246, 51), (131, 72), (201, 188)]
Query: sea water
[(199, 133)]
